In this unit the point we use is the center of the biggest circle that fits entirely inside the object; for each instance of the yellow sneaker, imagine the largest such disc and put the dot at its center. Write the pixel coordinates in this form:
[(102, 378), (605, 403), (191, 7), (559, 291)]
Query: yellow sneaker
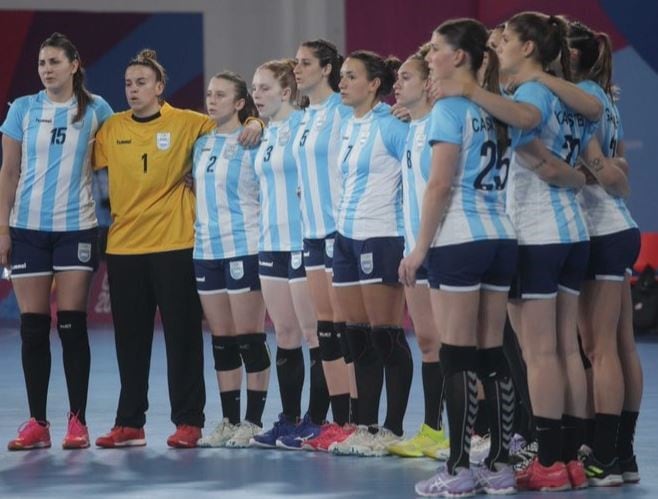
[(440, 450), (426, 438)]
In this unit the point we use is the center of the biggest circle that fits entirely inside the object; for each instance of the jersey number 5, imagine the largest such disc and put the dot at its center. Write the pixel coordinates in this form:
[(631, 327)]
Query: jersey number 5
[(496, 182)]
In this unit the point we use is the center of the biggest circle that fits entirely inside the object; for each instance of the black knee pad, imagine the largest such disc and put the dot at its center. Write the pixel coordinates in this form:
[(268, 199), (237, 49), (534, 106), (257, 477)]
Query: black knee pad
[(226, 353), (455, 359), (72, 326), (35, 330), (358, 337), (391, 345), (492, 363), (330, 347), (339, 327), (254, 351)]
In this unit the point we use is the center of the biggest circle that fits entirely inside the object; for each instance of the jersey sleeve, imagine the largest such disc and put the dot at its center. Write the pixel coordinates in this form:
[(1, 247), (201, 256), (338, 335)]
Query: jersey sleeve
[(13, 125), (394, 134), (103, 109), (445, 126)]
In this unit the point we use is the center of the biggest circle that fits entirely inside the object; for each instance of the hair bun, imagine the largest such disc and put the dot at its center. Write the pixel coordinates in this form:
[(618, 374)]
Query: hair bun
[(148, 54), (392, 63)]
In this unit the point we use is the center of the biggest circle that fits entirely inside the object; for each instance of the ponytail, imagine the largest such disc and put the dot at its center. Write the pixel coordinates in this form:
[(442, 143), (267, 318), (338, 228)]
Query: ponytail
[(601, 72), (492, 84), (561, 27), (327, 53), (377, 67)]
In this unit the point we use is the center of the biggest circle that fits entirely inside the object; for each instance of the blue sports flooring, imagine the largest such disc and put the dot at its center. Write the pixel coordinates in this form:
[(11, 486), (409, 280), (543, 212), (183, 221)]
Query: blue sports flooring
[(156, 471)]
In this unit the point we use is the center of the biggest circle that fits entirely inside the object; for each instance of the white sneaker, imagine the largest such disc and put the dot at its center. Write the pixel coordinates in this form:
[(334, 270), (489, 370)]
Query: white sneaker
[(218, 438), (240, 439), (359, 443), (480, 448), (382, 439)]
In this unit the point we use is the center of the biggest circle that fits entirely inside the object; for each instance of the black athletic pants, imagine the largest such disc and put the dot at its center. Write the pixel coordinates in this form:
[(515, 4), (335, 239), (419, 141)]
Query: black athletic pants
[(138, 285)]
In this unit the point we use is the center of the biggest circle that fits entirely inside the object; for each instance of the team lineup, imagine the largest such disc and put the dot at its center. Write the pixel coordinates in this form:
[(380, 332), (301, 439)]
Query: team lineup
[(489, 199)]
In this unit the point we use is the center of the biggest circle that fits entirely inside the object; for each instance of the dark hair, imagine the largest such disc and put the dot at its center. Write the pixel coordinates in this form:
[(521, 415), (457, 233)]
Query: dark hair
[(149, 58), (419, 57), (249, 109), (83, 96), (471, 36), (378, 67), (595, 55), (327, 53), (548, 33), (283, 73)]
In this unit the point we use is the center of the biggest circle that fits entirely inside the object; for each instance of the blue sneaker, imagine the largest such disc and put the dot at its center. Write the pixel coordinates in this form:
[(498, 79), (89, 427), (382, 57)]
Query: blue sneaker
[(304, 431), (267, 440), (443, 484), (499, 481)]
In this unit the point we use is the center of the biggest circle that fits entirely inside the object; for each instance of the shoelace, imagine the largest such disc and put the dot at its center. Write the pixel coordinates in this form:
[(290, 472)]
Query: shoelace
[(29, 427)]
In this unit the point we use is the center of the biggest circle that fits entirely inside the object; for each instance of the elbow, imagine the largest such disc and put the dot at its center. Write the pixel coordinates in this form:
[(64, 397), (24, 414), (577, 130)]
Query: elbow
[(594, 110), (438, 189)]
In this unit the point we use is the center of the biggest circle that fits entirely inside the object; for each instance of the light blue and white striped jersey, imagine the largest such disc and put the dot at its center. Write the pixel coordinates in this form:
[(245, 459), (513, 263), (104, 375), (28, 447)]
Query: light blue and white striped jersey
[(477, 202), (54, 191), (227, 198), (372, 148), (605, 214), (316, 149), (280, 213), (416, 167), (543, 213)]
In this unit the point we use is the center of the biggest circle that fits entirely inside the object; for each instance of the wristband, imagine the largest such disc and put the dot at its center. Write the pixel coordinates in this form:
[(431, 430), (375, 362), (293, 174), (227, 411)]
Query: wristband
[(257, 120)]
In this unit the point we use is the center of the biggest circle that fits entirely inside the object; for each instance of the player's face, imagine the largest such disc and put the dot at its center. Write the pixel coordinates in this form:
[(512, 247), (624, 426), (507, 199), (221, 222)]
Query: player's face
[(410, 85), (267, 93), (55, 70), (220, 100), (355, 89), (510, 51), (308, 72), (142, 90), (440, 57)]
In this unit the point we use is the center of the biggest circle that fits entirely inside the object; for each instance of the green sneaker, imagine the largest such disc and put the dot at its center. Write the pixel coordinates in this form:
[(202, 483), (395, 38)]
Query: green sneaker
[(426, 438)]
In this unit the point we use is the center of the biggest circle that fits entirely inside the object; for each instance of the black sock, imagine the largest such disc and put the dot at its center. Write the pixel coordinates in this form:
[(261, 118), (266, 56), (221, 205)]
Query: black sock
[(481, 426), (590, 430), (433, 393), (72, 328), (549, 440), (369, 372), (460, 381), (290, 371), (605, 437), (231, 405), (627, 423), (318, 404), (393, 349), (354, 410), (35, 354), (255, 406), (573, 435), (340, 408)]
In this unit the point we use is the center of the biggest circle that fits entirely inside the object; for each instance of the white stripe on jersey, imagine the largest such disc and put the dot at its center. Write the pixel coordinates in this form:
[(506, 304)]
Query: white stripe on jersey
[(605, 214), (227, 204), (371, 195), (280, 213), (316, 149)]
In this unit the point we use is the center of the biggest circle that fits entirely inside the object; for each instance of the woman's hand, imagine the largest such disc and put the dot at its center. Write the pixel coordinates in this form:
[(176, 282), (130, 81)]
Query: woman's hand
[(409, 266), (5, 247), (251, 134)]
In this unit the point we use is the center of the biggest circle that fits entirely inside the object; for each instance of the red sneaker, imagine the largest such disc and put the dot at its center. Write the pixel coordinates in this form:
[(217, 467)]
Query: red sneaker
[(185, 437), (329, 434), (122, 436), (31, 435), (77, 436), (548, 479), (576, 472)]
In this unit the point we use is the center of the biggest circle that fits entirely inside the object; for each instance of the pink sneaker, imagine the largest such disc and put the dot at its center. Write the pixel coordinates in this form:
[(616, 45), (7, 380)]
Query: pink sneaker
[(31, 435), (77, 436), (329, 433)]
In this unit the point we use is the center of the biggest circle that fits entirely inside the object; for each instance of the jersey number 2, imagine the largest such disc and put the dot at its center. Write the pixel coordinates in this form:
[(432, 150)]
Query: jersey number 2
[(490, 150)]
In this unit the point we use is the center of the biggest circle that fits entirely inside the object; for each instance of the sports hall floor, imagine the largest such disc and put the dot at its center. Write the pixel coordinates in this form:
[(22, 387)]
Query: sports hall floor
[(155, 471)]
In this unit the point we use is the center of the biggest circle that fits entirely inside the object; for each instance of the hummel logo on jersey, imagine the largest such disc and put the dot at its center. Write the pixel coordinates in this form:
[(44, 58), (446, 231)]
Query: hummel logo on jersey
[(206, 149), (44, 120), (122, 142), (19, 266), (265, 264)]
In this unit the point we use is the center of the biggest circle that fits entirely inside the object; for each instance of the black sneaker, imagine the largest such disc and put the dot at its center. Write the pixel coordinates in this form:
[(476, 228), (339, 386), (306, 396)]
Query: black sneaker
[(629, 471), (602, 475), (522, 459)]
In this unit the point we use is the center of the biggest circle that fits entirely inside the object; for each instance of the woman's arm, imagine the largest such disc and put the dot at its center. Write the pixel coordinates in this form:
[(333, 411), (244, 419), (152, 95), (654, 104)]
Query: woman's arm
[(609, 176), (9, 176), (573, 96), (535, 157), (435, 200)]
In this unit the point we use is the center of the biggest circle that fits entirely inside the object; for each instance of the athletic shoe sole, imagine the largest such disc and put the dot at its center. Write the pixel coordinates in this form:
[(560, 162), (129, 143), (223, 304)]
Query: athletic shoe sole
[(40, 445), (137, 442)]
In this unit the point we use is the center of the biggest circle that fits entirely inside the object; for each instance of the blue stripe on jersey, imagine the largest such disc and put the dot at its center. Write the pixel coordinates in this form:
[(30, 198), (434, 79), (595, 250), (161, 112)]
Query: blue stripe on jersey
[(469, 175), (362, 173), (270, 195), (307, 194), (236, 212), (52, 172), (558, 212), (216, 245), (30, 173), (73, 203)]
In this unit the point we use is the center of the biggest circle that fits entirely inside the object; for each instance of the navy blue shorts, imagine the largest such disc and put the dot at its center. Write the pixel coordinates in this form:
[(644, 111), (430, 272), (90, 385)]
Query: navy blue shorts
[(227, 275), (488, 264), (375, 260), (319, 253), (36, 252), (544, 269), (422, 275), (281, 265), (612, 256)]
